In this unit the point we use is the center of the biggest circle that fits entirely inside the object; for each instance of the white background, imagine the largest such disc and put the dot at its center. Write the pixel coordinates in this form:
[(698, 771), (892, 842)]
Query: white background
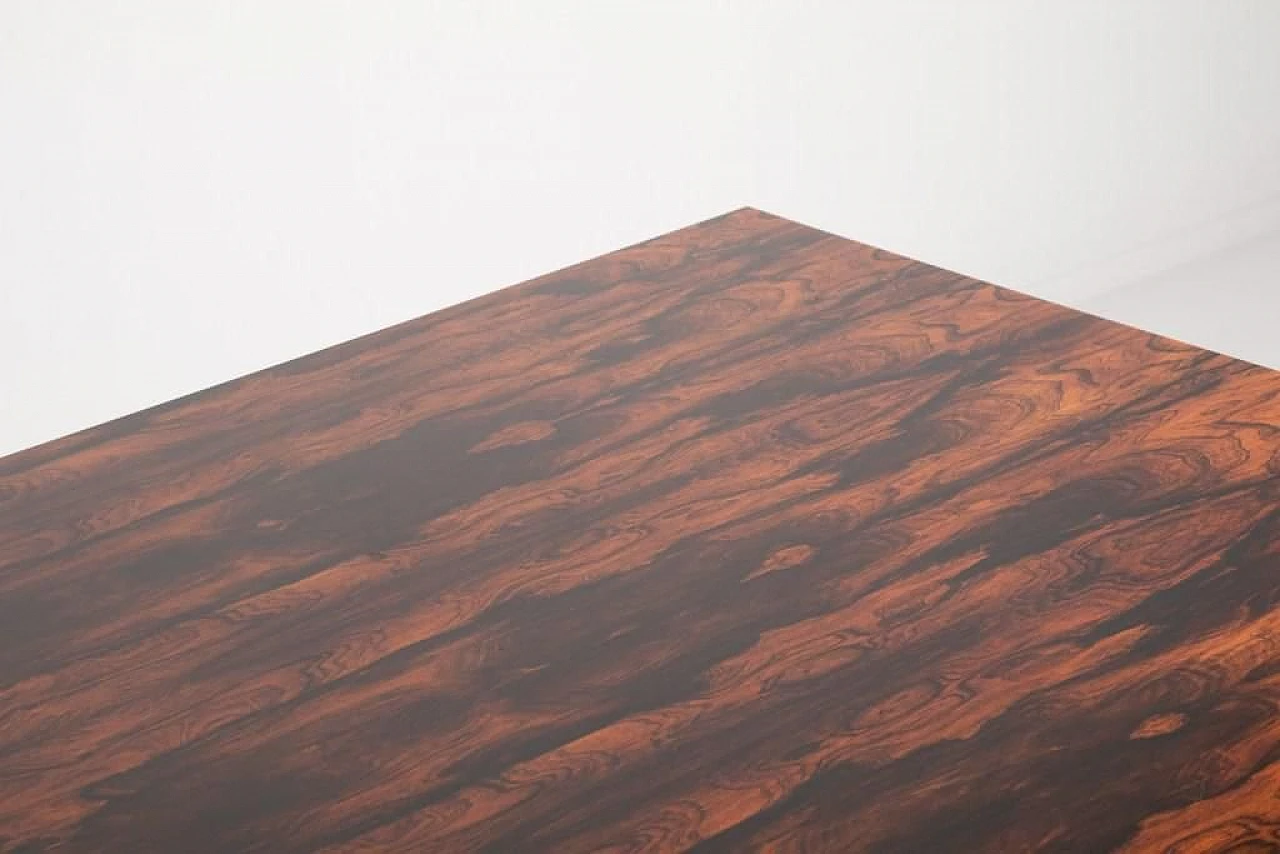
[(191, 191)]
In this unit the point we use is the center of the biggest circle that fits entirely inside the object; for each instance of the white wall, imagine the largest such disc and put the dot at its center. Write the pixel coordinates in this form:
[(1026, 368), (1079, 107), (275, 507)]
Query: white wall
[(190, 191)]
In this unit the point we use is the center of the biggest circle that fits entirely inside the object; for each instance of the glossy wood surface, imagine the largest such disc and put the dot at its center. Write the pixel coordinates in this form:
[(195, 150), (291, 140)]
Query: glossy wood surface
[(745, 538)]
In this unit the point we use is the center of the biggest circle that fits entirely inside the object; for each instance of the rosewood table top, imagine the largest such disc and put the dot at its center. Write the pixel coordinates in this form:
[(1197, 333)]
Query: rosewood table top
[(748, 537)]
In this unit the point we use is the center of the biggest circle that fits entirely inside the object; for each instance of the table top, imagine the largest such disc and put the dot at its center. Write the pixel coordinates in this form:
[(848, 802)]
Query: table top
[(748, 537)]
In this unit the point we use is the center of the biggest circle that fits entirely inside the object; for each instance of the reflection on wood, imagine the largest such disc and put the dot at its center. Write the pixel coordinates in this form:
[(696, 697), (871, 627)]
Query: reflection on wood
[(745, 538)]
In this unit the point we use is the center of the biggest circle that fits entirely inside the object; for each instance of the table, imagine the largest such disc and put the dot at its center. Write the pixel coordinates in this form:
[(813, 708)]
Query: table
[(748, 537)]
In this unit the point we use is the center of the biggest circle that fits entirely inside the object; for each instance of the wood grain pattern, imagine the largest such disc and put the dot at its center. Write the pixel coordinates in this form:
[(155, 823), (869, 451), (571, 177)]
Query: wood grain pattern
[(745, 538)]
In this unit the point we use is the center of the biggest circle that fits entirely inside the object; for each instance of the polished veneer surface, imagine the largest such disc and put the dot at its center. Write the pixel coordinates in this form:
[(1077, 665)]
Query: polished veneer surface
[(745, 538)]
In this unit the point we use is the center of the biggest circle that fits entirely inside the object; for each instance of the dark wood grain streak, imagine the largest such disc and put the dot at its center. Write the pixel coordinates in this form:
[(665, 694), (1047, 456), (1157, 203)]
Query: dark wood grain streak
[(745, 538)]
